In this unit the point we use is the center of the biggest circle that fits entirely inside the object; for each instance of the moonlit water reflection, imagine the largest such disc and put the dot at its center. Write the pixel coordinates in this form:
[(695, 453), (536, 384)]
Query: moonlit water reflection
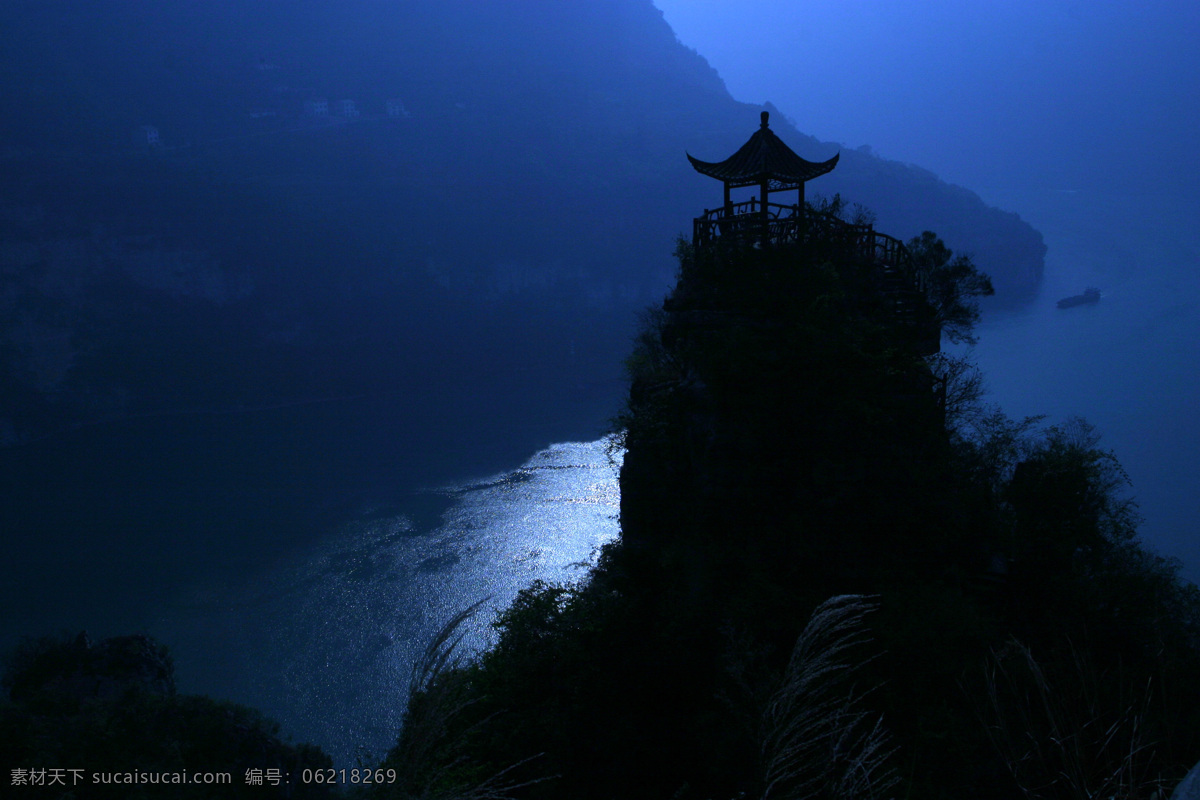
[(326, 642)]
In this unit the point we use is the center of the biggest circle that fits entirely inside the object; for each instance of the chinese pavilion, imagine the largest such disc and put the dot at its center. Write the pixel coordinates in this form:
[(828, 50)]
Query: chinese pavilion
[(766, 162)]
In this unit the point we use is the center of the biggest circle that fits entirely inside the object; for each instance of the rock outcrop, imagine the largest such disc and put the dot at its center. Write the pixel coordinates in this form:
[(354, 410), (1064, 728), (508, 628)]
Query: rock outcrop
[(110, 708)]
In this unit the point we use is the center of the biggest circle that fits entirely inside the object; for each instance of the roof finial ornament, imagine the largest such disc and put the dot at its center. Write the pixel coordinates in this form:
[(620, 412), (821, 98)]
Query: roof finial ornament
[(764, 116)]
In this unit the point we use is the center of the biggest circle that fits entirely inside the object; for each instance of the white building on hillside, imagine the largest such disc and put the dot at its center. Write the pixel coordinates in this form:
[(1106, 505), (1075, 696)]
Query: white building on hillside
[(147, 136)]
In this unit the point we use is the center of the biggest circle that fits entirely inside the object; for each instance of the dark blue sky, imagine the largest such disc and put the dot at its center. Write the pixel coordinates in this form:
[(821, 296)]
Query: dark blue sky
[(1002, 97)]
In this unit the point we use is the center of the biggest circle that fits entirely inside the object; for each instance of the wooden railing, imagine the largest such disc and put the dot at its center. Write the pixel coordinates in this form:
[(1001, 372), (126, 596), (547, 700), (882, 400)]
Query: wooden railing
[(782, 225), (900, 279)]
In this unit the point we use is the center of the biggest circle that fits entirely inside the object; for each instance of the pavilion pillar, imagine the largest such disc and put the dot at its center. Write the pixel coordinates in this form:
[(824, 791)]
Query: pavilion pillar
[(801, 213), (764, 219)]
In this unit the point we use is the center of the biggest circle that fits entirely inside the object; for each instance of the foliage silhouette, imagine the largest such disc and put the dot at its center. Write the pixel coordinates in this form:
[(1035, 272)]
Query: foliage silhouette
[(429, 758), (815, 741), (953, 286), (786, 443), (111, 707)]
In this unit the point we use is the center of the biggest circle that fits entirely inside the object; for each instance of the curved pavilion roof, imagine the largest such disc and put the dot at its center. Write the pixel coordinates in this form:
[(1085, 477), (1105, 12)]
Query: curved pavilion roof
[(764, 158)]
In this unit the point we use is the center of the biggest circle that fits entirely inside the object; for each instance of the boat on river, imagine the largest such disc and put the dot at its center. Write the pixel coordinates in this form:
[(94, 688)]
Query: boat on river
[(1088, 296)]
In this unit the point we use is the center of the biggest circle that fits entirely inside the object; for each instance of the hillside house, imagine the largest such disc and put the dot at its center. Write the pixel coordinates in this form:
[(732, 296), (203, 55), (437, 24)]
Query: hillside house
[(147, 136)]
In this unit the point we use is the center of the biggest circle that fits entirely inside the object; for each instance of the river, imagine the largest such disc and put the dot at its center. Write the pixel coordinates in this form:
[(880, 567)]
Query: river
[(1130, 364), (296, 559), (324, 640)]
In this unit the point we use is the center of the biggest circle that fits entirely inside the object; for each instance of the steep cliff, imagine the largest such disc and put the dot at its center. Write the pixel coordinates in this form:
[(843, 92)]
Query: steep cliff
[(787, 444), (778, 391)]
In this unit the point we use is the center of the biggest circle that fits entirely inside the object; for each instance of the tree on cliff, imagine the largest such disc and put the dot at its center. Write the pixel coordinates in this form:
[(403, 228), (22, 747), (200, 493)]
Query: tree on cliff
[(784, 446), (953, 286)]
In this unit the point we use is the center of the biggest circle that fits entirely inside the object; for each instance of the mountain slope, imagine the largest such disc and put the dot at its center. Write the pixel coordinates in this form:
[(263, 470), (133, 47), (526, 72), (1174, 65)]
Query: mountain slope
[(532, 159)]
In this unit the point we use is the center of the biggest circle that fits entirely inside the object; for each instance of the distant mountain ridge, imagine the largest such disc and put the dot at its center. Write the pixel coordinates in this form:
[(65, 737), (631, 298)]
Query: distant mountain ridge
[(539, 97), (488, 151)]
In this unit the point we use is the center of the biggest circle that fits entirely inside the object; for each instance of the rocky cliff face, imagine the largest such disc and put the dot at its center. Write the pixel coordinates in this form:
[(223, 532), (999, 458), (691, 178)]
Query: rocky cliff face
[(772, 390)]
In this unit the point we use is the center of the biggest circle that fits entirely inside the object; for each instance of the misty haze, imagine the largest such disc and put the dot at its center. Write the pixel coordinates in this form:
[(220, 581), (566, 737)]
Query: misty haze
[(529, 398)]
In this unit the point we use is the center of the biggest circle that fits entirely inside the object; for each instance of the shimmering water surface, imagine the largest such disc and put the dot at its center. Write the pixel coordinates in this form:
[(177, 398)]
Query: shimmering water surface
[(324, 642), (288, 564)]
